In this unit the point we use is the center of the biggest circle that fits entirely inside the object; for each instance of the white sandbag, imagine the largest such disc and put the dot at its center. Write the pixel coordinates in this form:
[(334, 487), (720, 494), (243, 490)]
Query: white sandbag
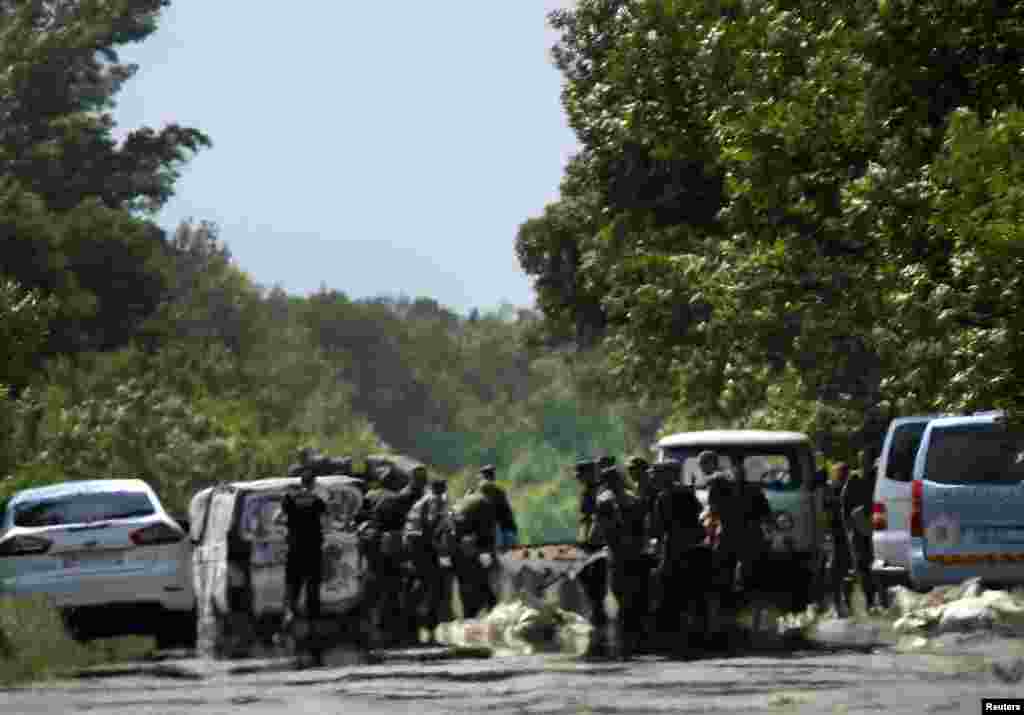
[(846, 633), (522, 628), (990, 609), (971, 588), (904, 600)]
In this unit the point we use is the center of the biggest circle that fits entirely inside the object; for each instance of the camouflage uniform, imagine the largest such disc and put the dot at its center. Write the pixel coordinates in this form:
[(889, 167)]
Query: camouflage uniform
[(507, 529), (858, 493), (621, 517), (841, 559), (474, 522), (681, 570), (594, 578), (426, 588), (382, 541)]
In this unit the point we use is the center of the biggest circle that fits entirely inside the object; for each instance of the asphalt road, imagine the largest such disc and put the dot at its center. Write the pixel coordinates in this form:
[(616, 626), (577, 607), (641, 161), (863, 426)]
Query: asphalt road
[(788, 682)]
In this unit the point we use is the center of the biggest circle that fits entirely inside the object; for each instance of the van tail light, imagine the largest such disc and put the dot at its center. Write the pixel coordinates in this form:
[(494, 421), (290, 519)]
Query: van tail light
[(156, 534), (879, 519), (916, 504), (24, 546)]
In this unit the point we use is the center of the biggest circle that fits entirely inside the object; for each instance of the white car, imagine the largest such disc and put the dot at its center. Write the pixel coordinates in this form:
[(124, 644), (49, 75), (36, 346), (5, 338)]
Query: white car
[(105, 552)]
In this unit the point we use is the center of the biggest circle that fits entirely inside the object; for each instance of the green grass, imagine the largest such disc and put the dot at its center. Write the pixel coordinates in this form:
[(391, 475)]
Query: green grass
[(34, 645)]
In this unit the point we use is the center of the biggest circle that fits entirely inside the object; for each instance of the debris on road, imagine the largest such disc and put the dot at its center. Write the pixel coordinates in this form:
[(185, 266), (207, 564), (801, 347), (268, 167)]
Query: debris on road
[(956, 609), (521, 627)]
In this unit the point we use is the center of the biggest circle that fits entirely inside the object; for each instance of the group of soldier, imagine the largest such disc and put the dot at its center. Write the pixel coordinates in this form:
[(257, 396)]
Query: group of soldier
[(669, 561), (413, 541)]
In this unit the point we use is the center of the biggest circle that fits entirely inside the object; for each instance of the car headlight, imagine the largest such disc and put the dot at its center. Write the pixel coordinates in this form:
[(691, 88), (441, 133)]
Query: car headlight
[(784, 521)]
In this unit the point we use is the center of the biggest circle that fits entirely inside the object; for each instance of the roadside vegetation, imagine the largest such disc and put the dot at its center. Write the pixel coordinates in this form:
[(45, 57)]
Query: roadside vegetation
[(34, 644)]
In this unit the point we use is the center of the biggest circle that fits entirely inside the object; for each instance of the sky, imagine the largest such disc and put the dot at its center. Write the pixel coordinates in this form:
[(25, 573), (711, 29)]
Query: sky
[(375, 148)]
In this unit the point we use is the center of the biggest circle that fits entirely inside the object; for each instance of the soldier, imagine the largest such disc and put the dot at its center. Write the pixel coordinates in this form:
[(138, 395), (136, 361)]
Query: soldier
[(675, 522), (638, 470), (303, 511), (620, 516), (306, 457), (426, 592), (508, 531), (474, 522), (841, 559), (857, 497), (594, 577), (381, 538)]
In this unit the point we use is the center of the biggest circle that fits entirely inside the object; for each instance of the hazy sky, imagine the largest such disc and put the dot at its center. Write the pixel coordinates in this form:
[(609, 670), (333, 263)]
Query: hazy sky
[(375, 147)]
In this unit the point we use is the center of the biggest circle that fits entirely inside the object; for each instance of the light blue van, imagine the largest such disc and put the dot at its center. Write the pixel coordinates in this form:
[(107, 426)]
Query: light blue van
[(967, 502)]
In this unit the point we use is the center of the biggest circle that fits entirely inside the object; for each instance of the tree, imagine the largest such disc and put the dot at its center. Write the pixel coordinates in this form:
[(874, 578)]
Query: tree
[(74, 200), (766, 199)]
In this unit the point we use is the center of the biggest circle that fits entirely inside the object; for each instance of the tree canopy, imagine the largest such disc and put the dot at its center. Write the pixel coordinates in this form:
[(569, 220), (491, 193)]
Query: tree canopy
[(803, 214)]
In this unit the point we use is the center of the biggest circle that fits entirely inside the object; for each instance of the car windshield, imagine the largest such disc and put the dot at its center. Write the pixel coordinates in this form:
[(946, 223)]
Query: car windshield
[(975, 454), (776, 468), (905, 440), (83, 508)]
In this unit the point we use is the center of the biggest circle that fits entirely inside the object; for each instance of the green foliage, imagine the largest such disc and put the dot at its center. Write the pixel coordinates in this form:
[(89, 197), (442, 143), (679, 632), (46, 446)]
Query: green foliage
[(72, 197), (789, 221), (34, 644)]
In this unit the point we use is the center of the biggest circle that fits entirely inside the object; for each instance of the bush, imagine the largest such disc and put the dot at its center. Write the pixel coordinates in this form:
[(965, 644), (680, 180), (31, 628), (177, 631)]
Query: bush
[(35, 645)]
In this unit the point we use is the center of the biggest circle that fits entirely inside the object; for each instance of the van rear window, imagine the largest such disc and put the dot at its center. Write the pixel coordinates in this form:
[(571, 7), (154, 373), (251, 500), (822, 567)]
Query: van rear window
[(975, 454), (905, 441), (774, 468)]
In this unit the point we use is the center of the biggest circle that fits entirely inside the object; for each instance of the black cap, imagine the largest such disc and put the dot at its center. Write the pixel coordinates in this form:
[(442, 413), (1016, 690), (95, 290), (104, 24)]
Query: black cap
[(487, 470), (438, 486), (606, 461)]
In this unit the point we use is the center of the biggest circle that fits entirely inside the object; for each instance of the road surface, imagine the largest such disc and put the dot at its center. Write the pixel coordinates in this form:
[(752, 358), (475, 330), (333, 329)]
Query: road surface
[(781, 682)]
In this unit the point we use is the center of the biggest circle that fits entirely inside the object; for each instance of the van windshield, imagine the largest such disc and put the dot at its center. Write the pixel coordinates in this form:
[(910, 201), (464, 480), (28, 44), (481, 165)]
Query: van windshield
[(973, 454), (776, 468)]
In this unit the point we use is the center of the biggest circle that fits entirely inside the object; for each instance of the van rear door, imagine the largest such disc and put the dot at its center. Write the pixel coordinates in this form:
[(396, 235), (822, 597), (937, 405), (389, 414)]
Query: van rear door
[(972, 498), (892, 489)]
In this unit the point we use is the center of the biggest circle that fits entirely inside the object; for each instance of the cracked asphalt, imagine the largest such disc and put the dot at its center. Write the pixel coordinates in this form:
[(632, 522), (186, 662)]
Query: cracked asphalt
[(952, 680)]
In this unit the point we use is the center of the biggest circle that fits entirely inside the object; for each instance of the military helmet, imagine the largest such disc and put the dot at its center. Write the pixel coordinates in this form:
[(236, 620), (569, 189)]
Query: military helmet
[(611, 475), (636, 463), (308, 455)]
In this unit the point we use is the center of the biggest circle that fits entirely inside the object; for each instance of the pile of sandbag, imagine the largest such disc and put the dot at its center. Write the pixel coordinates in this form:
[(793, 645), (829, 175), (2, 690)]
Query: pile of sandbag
[(523, 627), (948, 609)]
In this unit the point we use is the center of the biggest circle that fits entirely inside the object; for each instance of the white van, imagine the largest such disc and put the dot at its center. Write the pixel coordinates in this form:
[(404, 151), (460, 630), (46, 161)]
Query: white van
[(782, 463), (890, 513)]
